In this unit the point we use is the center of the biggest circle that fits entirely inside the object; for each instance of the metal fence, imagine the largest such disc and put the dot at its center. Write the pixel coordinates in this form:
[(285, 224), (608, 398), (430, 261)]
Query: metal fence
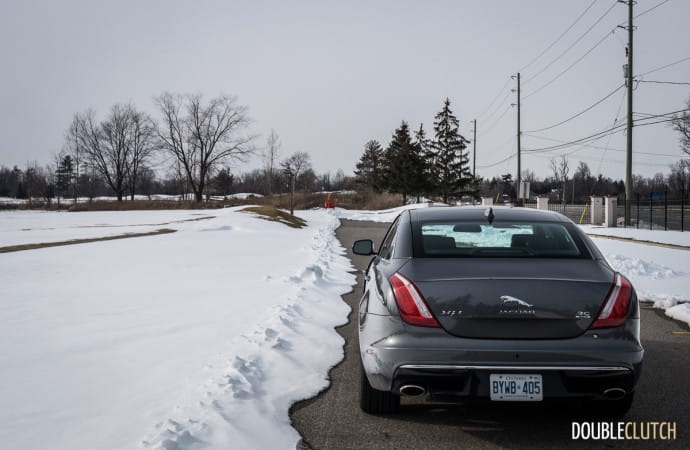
[(658, 215), (652, 214), (577, 212)]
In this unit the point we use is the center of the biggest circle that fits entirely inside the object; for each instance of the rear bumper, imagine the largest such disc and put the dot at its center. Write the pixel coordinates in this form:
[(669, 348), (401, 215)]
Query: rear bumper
[(394, 354), (454, 382)]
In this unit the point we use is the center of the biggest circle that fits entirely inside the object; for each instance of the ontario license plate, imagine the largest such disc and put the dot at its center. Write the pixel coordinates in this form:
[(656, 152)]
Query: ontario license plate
[(516, 387)]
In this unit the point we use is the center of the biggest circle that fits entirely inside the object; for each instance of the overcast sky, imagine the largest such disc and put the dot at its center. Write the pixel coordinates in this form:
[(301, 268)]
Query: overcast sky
[(328, 76)]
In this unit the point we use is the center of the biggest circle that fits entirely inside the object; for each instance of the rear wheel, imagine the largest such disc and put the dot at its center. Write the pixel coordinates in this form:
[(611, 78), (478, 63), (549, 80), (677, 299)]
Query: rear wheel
[(373, 401), (613, 408)]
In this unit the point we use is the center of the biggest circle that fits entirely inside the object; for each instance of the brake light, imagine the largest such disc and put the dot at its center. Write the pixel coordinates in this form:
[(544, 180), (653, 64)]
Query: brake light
[(616, 306), (413, 309)]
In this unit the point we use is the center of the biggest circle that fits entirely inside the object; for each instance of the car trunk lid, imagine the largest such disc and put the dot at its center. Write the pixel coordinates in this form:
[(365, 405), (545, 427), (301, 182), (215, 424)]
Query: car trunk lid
[(511, 298)]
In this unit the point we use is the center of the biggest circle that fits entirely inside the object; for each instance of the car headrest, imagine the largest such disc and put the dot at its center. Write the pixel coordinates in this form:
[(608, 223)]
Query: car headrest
[(520, 240), (439, 243)]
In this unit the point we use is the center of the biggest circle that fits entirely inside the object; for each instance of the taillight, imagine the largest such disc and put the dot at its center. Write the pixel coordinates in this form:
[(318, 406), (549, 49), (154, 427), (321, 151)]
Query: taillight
[(616, 306), (413, 309)]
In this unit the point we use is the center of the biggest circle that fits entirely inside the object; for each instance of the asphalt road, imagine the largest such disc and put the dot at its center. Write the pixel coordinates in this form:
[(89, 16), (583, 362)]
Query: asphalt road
[(333, 420)]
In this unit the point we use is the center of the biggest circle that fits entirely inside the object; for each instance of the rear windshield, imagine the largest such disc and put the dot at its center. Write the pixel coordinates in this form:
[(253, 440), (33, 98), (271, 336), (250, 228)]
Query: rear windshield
[(475, 239)]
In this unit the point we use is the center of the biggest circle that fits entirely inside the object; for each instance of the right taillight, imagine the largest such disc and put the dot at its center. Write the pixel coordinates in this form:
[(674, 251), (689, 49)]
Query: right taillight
[(616, 306), (411, 305)]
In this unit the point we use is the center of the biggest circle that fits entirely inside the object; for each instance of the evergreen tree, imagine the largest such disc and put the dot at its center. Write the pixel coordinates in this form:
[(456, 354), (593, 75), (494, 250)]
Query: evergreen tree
[(402, 166), (64, 175), (223, 181), (422, 161), (450, 161), (370, 166)]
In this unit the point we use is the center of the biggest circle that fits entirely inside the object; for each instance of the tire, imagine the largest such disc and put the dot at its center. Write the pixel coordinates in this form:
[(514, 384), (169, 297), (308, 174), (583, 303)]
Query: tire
[(613, 408), (373, 401)]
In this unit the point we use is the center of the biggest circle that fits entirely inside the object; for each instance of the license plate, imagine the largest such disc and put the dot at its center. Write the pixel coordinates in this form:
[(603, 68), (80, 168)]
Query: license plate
[(516, 387)]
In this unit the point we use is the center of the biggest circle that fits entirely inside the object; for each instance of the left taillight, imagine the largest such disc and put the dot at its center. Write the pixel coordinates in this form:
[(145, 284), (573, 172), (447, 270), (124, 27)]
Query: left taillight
[(411, 305), (616, 306)]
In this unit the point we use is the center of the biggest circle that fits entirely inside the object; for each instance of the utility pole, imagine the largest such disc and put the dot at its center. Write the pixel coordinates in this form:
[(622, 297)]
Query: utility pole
[(474, 150), (629, 141), (518, 178)]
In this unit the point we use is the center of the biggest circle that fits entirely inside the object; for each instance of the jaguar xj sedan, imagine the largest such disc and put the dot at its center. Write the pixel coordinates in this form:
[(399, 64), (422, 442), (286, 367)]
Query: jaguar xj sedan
[(501, 304)]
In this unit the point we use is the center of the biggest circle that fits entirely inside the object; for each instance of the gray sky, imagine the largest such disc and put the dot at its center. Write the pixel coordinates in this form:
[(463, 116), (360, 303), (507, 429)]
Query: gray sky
[(328, 76)]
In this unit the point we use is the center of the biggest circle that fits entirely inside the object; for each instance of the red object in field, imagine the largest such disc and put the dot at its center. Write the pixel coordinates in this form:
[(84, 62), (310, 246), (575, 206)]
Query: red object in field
[(330, 203)]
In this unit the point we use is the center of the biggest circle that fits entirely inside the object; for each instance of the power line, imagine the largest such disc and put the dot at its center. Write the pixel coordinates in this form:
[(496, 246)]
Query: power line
[(495, 98), (608, 142), (536, 58), (652, 116), (664, 67), (651, 9), (599, 147), (495, 122), (543, 138), (592, 158), (656, 115), (573, 44), (578, 114), (664, 82), (602, 134), (592, 138), (571, 65), (497, 108), (508, 158)]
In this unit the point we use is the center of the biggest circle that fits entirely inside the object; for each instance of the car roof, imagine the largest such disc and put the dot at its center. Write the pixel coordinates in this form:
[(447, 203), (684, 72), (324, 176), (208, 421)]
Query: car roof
[(478, 213)]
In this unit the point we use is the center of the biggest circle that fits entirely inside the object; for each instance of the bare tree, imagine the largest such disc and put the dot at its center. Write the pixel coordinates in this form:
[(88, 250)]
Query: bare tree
[(106, 145), (270, 156), (141, 141), (116, 148), (682, 125), (74, 148), (560, 172), (201, 136), (292, 167), (38, 182)]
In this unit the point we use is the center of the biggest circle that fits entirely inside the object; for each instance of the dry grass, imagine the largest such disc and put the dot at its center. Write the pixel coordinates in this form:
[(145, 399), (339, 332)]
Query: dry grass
[(273, 214), (359, 200), (17, 248), (129, 205)]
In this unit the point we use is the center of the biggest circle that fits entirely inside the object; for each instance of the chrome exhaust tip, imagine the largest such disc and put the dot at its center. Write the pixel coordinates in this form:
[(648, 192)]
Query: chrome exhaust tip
[(614, 393), (412, 390)]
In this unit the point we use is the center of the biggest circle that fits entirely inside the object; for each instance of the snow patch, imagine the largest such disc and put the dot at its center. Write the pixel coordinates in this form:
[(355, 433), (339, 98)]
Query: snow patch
[(659, 274), (680, 312), (631, 266)]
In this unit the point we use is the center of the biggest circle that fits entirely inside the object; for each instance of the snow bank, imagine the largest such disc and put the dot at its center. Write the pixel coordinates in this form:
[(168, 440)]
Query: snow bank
[(661, 236), (660, 275), (200, 338), (680, 312), (244, 195)]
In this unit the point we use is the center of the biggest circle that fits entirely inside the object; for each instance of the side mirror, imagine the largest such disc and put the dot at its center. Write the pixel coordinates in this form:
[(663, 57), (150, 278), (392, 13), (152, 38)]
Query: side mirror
[(363, 247)]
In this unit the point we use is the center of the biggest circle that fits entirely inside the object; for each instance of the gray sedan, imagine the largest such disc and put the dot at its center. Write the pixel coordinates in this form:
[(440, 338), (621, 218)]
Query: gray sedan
[(501, 304)]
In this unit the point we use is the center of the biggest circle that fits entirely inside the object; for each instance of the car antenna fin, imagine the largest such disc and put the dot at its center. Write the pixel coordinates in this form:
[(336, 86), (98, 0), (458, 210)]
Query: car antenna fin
[(490, 215)]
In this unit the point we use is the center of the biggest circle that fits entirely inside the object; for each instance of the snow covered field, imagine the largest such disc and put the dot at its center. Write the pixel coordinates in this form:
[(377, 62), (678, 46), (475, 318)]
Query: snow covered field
[(26, 227), (660, 275), (204, 336)]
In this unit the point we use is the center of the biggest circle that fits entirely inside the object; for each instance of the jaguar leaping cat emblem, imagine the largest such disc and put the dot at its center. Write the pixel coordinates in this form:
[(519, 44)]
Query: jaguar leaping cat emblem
[(508, 299)]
